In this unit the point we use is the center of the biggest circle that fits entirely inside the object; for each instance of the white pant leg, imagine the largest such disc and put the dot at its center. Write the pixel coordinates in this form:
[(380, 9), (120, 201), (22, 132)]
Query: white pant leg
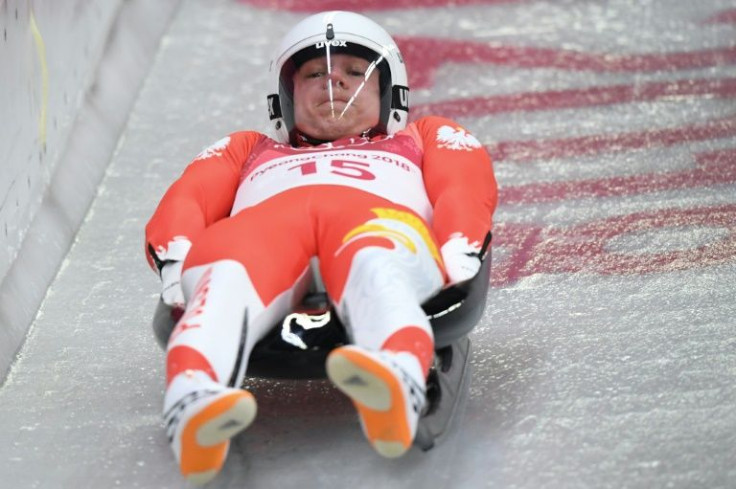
[(225, 317), (385, 288)]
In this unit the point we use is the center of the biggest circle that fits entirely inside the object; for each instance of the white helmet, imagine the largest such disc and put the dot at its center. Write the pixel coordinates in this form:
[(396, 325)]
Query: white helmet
[(340, 32)]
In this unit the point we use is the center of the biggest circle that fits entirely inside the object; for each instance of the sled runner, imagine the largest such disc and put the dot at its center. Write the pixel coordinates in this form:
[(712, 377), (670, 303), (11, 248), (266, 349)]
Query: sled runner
[(298, 345)]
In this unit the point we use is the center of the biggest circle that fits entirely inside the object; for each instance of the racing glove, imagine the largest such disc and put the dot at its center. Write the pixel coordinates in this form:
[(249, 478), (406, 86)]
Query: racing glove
[(169, 262), (171, 291), (462, 259)]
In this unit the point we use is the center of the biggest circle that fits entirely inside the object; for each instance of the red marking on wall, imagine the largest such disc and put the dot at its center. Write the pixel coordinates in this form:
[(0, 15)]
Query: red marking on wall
[(533, 249), (723, 17), (519, 240), (540, 150), (582, 248), (363, 5), (714, 168), (576, 98), (422, 67)]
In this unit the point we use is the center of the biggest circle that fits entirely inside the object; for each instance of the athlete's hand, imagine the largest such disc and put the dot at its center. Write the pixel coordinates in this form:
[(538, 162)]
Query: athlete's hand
[(171, 292), (462, 259), (170, 261)]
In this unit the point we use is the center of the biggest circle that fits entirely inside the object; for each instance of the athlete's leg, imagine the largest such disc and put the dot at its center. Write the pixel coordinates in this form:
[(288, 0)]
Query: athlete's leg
[(379, 268), (239, 277)]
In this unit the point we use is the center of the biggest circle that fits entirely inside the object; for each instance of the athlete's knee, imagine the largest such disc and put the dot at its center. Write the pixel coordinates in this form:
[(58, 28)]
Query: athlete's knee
[(376, 268), (399, 269), (227, 273)]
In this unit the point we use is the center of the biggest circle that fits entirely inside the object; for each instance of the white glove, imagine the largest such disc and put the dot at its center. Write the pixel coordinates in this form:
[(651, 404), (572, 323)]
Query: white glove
[(172, 258), (462, 259), (171, 292)]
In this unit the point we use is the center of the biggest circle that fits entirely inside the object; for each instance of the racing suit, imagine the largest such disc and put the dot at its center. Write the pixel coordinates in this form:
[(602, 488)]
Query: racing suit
[(376, 212)]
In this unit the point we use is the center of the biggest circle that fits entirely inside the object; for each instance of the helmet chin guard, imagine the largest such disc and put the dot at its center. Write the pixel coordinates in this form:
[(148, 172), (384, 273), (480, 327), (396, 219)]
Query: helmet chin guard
[(338, 32)]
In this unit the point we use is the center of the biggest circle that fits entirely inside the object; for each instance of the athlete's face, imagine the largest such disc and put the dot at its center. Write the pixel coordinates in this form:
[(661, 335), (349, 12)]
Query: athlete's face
[(350, 111)]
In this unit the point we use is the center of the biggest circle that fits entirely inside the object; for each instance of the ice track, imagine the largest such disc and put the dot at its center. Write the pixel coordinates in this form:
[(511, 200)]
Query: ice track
[(607, 355)]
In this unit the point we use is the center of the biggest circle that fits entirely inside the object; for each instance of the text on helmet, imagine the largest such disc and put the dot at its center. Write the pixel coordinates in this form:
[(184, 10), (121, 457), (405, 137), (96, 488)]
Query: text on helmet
[(333, 43)]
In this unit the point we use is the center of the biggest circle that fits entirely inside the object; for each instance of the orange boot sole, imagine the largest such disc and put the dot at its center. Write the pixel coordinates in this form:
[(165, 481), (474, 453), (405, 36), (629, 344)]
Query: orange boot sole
[(377, 396), (206, 437)]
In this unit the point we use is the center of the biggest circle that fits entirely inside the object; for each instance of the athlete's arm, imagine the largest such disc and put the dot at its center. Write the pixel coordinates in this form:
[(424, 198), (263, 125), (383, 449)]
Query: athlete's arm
[(202, 195), (460, 183)]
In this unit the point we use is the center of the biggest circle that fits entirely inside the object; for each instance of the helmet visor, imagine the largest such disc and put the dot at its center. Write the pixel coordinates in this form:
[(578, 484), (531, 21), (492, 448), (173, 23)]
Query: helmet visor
[(377, 66)]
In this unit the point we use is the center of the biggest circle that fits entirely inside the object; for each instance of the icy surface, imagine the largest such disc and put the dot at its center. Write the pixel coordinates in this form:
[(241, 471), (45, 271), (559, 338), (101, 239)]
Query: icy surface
[(606, 356)]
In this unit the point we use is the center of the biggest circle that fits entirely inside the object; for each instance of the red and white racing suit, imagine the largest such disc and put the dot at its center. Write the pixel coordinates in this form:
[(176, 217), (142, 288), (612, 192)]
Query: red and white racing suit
[(375, 212)]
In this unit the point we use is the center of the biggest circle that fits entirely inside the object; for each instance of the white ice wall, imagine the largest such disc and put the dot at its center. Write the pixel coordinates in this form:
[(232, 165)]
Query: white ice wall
[(49, 54), (69, 74)]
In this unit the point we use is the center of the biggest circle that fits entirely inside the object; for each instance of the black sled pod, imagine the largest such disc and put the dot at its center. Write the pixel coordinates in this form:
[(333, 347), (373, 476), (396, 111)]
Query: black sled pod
[(298, 345)]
